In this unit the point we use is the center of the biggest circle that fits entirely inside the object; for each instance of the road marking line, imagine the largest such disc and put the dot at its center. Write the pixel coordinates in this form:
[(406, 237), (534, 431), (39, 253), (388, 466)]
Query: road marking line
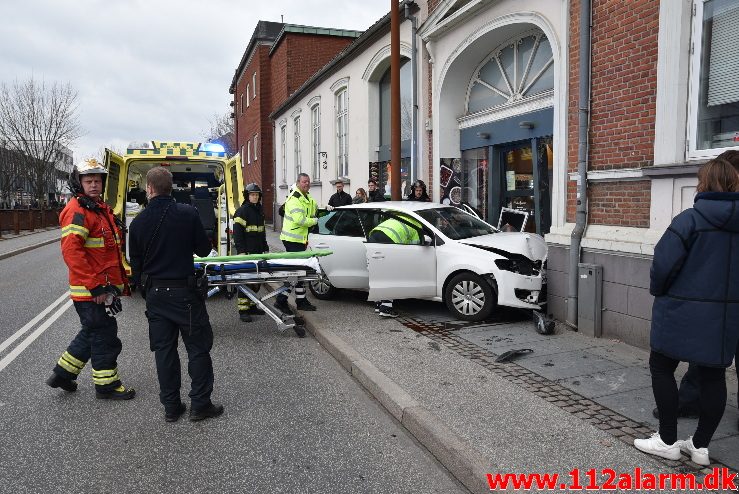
[(31, 337), (5, 344)]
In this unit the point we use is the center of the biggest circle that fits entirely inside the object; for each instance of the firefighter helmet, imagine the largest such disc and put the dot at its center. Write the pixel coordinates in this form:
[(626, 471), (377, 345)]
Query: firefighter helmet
[(252, 187), (86, 167)]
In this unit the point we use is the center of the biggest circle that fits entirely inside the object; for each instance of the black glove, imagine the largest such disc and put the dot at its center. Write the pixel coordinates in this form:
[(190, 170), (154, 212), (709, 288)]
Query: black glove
[(113, 305)]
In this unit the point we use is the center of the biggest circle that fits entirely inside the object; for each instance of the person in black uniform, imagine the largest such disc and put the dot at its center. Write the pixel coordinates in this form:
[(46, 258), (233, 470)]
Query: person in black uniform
[(250, 238), (162, 241)]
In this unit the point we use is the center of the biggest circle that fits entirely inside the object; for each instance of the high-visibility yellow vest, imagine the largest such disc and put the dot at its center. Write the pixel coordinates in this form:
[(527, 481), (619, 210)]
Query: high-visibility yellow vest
[(400, 232), (300, 215)]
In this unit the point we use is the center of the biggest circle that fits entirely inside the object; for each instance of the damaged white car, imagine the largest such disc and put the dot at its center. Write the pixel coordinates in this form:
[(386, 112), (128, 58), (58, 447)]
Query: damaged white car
[(458, 259)]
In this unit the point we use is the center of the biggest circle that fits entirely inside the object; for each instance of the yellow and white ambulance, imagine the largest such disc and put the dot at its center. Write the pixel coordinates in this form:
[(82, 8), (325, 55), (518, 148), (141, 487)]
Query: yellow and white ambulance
[(204, 177)]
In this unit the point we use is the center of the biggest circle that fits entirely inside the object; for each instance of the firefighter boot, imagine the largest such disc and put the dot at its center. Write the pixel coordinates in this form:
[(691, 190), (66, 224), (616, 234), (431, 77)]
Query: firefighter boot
[(119, 393), (56, 381), (304, 304)]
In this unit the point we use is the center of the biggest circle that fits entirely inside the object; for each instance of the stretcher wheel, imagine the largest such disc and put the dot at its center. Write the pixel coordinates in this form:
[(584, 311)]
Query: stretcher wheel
[(230, 292), (299, 321)]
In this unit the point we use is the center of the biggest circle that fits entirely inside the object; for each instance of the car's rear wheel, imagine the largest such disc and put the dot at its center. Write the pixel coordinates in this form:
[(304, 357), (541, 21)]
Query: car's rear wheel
[(469, 297), (322, 289)]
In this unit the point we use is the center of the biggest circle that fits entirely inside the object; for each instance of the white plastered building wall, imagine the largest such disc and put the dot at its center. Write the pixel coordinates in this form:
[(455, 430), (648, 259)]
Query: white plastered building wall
[(360, 76)]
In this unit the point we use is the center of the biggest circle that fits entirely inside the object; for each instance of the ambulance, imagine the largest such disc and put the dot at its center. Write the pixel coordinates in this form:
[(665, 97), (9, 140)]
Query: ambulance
[(203, 175)]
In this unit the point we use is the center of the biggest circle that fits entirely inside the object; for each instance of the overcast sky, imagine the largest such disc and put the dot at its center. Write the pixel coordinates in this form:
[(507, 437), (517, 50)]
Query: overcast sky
[(149, 70)]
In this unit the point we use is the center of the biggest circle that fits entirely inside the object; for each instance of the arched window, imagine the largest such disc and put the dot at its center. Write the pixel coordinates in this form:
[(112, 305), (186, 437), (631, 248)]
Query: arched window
[(516, 71)]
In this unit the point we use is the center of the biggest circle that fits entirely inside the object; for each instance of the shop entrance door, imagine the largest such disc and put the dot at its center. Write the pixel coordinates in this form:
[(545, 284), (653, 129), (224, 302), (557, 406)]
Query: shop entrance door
[(524, 172)]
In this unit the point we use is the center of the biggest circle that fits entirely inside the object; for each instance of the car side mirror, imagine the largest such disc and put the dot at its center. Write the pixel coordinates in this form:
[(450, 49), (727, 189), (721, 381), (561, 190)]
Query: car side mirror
[(427, 240)]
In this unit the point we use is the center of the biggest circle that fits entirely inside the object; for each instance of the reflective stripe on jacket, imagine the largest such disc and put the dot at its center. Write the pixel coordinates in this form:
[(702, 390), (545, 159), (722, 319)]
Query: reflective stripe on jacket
[(400, 232), (300, 216), (91, 250)]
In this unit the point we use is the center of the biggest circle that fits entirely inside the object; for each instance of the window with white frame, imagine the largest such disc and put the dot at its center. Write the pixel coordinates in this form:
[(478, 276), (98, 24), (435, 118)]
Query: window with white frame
[(254, 85), (315, 141), (242, 103), (283, 152), (296, 148), (714, 85), (342, 133), (255, 147), (247, 95), (248, 152)]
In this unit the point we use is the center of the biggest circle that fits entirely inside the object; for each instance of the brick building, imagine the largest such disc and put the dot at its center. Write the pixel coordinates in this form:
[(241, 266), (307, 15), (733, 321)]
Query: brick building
[(663, 99), (277, 60)]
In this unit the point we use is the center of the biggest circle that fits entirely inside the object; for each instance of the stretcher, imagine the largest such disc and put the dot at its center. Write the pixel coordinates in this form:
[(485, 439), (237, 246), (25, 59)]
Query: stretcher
[(243, 272)]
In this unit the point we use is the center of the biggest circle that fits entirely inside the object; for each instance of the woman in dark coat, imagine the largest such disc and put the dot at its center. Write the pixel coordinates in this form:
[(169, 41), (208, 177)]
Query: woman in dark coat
[(695, 282)]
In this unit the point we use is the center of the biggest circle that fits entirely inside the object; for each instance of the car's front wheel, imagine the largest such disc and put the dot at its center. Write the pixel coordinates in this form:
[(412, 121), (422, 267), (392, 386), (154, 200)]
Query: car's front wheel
[(469, 297), (322, 289)]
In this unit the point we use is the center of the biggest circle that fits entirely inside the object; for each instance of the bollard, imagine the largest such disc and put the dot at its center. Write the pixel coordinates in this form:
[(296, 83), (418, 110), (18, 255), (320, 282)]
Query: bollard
[(43, 219), (30, 219)]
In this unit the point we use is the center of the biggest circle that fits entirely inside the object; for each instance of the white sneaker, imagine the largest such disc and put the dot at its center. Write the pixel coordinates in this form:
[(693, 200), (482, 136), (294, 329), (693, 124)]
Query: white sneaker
[(698, 455), (655, 446)]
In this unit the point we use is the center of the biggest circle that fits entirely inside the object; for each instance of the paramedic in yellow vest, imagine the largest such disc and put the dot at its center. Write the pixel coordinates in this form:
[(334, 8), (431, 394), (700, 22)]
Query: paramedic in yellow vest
[(300, 216), (402, 230)]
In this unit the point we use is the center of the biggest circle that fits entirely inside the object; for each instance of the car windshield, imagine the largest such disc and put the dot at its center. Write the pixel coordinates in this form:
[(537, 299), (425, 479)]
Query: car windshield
[(455, 223)]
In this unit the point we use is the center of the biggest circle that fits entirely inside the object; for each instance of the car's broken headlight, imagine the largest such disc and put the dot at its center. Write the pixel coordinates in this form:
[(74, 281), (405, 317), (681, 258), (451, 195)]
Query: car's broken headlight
[(520, 265)]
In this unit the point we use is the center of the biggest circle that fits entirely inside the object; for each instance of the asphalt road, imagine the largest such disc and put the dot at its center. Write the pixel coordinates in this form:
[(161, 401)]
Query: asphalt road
[(295, 421)]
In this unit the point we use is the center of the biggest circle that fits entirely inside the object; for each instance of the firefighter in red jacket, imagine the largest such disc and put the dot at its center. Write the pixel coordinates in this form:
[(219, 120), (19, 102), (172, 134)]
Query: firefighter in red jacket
[(91, 247)]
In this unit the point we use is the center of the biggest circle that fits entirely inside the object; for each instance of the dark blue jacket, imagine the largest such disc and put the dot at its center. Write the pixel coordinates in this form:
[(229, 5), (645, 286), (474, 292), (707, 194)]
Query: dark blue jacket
[(695, 281), (180, 234)]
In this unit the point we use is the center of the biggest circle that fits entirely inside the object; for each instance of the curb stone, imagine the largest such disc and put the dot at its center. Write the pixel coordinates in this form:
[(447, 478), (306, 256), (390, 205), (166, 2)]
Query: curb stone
[(27, 248), (462, 459)]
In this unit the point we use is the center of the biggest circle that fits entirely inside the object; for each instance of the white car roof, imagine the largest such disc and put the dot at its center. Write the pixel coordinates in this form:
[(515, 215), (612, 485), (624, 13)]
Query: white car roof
[(397, 205)]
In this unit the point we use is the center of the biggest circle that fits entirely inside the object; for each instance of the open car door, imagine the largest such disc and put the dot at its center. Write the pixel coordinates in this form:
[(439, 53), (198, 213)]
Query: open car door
[(399, 271), (234, 182)]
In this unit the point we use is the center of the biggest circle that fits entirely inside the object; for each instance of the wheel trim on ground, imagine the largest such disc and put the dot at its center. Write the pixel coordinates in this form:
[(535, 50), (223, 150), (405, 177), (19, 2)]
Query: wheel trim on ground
[(321, 286), (468, 298)]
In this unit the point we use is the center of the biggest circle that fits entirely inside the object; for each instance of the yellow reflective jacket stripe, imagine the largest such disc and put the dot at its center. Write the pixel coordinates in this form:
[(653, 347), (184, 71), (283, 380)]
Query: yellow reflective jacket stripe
[(95, 242)]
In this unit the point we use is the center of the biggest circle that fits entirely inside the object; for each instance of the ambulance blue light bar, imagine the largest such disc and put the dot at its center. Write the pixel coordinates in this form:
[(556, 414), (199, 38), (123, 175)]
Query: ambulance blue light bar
[(212, 147)]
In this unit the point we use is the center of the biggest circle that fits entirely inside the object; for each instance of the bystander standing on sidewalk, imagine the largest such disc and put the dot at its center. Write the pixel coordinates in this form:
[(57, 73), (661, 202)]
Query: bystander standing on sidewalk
[(695, 309), (689, 392)]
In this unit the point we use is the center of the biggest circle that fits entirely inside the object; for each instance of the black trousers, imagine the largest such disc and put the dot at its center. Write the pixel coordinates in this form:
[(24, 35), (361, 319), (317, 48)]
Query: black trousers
[(299, 286), (97, 341), (712, 398), (174, 312), (689, 391)]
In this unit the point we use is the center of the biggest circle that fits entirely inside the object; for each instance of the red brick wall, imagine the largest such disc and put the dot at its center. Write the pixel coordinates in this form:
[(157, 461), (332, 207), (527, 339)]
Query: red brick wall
[(297, 58), (623, 104), (308, 54)]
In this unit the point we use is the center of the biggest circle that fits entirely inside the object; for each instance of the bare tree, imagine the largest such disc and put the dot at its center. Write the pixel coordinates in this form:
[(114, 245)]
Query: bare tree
[(222, 131), (36, 119)]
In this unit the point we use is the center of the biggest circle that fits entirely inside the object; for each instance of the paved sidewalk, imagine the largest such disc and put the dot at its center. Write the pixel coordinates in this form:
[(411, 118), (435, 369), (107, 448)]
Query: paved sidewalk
[(11, 244), (575, 402)]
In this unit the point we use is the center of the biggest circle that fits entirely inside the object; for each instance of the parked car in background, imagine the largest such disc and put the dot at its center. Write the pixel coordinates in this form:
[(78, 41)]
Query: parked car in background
[(460, 260)]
